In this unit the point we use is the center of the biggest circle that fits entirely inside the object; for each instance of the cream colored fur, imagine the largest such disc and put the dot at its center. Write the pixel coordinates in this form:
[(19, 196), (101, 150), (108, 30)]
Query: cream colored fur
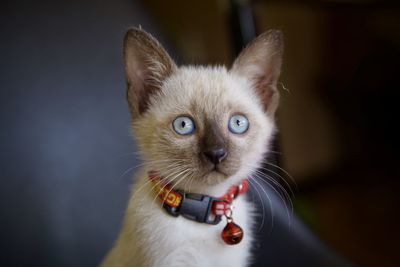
[(150, 237)]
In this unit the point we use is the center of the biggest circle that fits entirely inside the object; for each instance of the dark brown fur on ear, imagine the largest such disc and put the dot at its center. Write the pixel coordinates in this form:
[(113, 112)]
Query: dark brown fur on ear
[(260, 62), (147, 65)]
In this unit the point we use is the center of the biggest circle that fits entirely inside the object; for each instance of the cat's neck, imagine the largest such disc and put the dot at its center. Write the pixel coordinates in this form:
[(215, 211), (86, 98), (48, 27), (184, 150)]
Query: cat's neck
[(215, 190)]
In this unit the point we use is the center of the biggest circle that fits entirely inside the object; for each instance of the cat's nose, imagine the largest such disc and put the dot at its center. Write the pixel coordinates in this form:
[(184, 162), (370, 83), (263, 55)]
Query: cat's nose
[(216, 155)]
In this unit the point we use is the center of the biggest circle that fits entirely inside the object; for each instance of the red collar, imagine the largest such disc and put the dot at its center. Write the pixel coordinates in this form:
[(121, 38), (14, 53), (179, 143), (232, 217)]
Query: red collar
[(197, 207)]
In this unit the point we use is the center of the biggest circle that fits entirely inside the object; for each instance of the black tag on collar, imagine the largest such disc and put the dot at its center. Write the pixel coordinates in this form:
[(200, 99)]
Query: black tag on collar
[(195, 207)]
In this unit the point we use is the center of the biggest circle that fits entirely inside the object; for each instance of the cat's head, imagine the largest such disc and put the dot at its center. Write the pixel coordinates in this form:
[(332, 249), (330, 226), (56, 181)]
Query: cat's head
[(202, 125)]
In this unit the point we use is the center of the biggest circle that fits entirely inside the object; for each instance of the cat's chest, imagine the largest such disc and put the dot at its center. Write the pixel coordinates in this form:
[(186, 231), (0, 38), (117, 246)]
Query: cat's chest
[(164, 240), (189, 242)]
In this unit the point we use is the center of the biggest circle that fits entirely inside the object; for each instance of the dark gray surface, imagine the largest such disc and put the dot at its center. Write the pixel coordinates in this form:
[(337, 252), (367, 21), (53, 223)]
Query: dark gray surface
[(65, 139), (283, 239), (65, 130)]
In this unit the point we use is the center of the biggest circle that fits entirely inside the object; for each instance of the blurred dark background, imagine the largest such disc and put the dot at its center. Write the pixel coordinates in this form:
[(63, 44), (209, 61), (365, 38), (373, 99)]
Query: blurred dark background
[(67, 154)]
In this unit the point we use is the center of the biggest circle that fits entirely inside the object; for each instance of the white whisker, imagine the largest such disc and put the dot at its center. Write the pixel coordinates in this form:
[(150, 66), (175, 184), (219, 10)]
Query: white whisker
[(279, 195), (262, 203)]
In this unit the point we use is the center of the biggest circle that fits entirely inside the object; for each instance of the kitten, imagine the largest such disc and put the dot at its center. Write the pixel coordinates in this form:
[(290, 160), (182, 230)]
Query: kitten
[(199, 130)]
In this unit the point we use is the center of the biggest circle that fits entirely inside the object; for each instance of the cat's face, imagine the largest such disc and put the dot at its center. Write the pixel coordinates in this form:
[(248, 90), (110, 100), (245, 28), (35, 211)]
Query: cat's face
[(207, 142), (198, 125)]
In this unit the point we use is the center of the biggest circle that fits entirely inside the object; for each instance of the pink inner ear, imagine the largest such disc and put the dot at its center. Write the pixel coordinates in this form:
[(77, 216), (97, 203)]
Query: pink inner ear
[(139, 74), (264, 87), (150, 87), (144, 101), (266, 97), (265, 81)]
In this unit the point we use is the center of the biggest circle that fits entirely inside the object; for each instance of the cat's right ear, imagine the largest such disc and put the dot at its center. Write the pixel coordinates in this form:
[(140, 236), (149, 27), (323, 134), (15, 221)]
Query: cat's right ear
[(260, 62), (147, 65)]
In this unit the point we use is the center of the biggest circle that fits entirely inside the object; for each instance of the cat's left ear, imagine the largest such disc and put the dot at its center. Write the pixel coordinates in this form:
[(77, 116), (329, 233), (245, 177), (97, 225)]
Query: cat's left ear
[(147, 65), (260, 62)]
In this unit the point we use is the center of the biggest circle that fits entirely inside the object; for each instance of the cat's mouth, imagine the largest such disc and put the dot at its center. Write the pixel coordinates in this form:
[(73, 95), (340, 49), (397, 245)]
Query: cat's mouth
[(217, 170), (214, 176)]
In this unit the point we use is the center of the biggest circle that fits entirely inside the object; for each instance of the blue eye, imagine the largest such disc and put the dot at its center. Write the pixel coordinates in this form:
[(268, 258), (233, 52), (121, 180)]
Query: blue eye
[(238, 124), (183, 125)]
